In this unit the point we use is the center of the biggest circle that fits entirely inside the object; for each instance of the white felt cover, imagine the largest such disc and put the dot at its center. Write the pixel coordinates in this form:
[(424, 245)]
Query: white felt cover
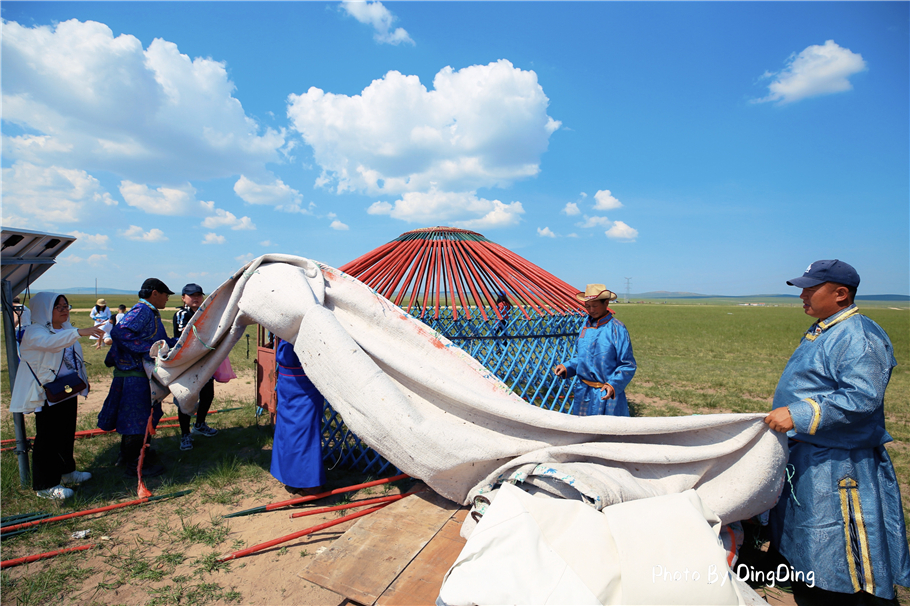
[(439, 415)]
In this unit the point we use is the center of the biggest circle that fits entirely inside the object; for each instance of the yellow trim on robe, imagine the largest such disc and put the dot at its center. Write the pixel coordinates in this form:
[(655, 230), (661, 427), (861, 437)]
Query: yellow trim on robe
[(863, 542), (816, 416), (843, 486), (820, 326)]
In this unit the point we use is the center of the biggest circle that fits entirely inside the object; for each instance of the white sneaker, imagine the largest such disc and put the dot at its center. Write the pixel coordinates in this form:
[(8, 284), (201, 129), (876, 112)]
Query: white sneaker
[(75, 477), (57, 493)]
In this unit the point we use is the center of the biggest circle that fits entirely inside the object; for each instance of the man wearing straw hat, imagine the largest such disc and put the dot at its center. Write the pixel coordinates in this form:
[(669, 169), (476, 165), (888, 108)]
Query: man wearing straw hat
[(603, 358)]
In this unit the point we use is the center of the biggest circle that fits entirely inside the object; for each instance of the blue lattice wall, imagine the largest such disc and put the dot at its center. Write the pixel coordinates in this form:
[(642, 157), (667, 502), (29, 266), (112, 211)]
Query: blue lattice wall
[(520, 351)]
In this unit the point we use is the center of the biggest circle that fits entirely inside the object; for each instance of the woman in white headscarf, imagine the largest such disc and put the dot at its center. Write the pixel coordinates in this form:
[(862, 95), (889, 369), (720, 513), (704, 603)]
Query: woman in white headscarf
[(49, 349)]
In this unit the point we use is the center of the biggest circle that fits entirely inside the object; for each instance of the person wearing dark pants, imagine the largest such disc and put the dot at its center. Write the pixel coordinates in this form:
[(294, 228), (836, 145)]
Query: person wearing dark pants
[(129, 404), (52, 451), (193, 297), (50, 350)]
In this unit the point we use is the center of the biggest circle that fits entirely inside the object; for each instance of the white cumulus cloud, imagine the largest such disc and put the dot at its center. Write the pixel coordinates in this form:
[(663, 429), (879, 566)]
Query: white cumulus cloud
[(379, 17), (338, 225), (90, 240), (571, 209), (604, 200), (47, 196), (213, 238), (134, 232), (245, 258), (594, 222), (480, 126), (174, 201), (546, 232), (277, 194), (459, 209), (223, 218), (83, 97), (93, 260), (621, 231), (820, 69)]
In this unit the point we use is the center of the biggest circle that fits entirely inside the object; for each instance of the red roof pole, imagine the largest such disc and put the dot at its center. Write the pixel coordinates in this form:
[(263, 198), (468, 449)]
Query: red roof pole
[(463, 271)]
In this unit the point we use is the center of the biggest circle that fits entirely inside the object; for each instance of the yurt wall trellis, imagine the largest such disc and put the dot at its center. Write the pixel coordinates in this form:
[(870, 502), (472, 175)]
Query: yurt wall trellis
[(450, 279)]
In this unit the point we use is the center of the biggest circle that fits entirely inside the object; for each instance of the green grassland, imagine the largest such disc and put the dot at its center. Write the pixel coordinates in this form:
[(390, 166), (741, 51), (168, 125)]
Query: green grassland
[(692, 359)]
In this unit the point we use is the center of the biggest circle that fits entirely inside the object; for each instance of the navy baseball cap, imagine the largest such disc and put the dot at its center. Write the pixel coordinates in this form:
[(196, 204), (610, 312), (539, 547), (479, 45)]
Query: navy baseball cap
[(192, 289), (827, 271)]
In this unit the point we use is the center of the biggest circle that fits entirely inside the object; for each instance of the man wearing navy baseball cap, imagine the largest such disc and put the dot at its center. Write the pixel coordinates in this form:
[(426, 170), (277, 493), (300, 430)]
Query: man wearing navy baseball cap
[(840, 515)]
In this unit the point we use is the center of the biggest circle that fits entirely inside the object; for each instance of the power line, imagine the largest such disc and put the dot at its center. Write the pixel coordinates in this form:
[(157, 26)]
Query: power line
[(628, 289)]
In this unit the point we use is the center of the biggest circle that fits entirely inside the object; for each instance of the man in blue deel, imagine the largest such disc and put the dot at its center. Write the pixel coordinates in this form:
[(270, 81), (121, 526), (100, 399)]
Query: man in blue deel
[(129, 401), (840, 513), (603, 358)]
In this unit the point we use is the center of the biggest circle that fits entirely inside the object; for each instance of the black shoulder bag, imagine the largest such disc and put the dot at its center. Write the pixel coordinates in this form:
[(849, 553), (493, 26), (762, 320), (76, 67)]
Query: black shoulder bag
[(63, 387)]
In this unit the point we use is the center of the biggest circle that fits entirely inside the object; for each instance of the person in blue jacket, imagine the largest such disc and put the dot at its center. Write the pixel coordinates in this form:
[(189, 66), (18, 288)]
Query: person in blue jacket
[(840, 513), (603, 358)]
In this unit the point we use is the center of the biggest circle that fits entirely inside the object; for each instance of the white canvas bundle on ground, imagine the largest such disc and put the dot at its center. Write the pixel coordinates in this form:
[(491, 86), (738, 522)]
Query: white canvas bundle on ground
[(540, 550), (439, 415)]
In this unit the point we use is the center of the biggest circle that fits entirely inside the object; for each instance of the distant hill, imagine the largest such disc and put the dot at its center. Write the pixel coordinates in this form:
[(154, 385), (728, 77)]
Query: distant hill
[(883, 297)]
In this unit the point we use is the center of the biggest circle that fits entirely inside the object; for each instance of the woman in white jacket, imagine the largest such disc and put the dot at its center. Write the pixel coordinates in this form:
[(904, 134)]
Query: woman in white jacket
[(50, 348)]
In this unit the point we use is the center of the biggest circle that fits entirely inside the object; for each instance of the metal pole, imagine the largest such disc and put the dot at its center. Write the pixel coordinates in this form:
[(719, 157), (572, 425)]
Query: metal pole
[(12, 363)]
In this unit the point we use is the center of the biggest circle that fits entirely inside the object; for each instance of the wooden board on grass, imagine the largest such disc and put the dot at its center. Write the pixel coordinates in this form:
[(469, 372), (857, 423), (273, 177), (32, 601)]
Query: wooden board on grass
[(364, 561), (421, 581)]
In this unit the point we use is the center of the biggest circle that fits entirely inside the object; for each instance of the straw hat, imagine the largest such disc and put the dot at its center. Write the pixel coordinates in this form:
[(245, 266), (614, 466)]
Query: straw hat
[(596, 291), (100, 302)]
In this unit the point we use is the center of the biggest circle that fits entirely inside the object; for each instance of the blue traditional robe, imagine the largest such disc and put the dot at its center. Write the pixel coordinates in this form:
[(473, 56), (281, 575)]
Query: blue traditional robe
[(603, 355), (297, 446), (129, 401), (840, 514)]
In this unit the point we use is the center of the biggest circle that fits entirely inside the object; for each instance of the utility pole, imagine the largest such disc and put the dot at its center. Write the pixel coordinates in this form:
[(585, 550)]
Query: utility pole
[(628, 288)]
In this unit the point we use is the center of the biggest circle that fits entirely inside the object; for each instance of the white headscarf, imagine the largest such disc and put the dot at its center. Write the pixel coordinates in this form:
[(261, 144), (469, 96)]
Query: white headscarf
[(42, 306)]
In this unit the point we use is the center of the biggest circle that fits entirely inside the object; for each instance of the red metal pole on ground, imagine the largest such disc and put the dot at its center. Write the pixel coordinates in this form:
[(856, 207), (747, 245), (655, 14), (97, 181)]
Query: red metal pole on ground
[(78, 514), (312, 512), (280, 504), (43, 556), (88, 433), (295, 535)]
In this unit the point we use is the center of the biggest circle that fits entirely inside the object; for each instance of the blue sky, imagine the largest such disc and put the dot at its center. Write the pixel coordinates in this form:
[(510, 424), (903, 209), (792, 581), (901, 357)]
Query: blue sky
[(705, 147)]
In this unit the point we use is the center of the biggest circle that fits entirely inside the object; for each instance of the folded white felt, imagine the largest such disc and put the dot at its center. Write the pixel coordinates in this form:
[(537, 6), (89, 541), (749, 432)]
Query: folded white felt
[(439, 415), (540, 550)]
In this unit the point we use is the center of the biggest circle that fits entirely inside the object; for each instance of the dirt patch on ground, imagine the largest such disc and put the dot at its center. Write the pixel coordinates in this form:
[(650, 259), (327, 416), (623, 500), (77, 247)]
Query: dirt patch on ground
[(153, 554)]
